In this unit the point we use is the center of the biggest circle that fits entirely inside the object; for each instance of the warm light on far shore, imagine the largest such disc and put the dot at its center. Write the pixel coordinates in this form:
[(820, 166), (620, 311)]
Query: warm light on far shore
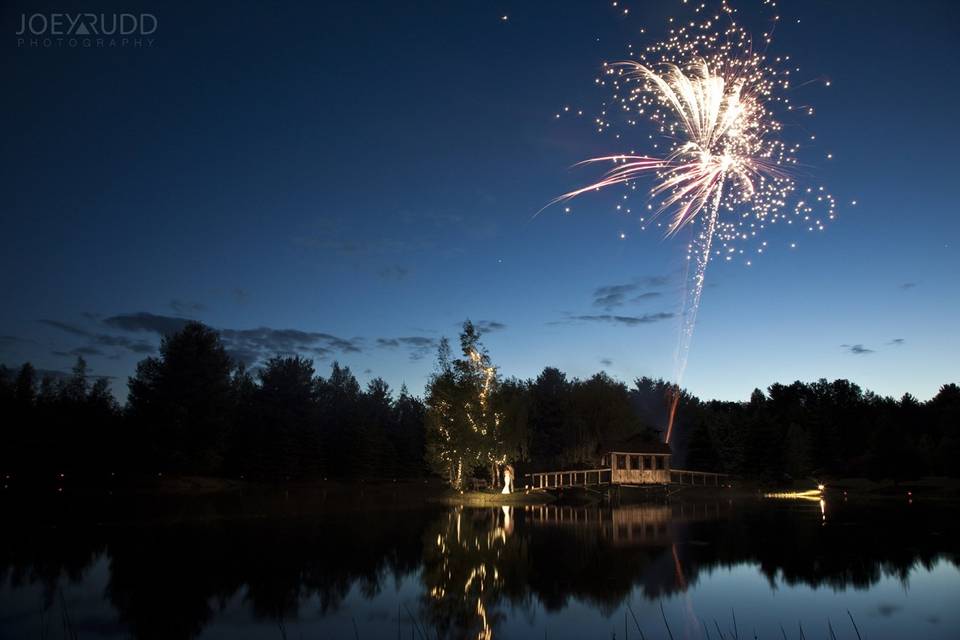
[(814, 495)]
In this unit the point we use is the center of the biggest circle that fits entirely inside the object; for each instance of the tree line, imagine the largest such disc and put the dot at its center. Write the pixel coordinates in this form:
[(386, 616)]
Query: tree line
[(834, 428), (192, 410)]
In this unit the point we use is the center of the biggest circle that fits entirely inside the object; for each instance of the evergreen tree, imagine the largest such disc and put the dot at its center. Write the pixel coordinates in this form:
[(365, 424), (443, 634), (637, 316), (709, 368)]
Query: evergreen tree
[(25, 387), (797, 455), (409, 415), (286, 435), (182, 400), (701, 452), (550, 399), (340, 416), (244, 454), (378, 457), (600, 415), (512, 402)]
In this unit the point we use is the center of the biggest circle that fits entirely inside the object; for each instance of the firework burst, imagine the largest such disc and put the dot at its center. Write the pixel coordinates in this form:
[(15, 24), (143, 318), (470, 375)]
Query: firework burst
[(718, 163)]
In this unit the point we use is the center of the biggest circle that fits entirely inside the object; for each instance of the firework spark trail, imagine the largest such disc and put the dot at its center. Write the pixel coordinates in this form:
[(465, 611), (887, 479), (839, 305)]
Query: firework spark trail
[(688, 316), (712, 98)]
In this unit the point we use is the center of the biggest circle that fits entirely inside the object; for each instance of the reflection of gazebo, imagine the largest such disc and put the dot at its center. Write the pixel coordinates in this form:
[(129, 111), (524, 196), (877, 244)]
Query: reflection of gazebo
[(631, 525), (638, 461)]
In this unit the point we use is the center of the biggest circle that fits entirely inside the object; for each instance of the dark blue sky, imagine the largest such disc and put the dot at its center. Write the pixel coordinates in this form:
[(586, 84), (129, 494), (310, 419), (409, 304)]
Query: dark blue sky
[(352, 180)]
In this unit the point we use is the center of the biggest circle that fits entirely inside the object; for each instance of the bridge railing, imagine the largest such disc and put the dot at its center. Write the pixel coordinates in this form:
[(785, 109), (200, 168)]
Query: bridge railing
[(704, 478), (593, 477), (560, 479)]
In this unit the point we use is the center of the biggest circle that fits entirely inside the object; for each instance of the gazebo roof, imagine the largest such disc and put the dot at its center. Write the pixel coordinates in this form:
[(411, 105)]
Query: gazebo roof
[(638, 444)]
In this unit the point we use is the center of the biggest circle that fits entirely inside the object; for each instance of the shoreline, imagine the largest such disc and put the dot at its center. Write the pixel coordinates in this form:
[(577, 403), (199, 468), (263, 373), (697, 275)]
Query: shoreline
[(394, 493)]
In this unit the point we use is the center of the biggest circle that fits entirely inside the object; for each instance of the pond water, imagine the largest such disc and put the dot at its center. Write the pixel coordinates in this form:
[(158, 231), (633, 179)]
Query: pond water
[(296, 570)]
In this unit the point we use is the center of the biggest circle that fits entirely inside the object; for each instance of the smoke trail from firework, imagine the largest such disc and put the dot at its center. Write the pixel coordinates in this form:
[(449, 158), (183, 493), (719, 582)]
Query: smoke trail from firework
[(689, 313), (712, 98)]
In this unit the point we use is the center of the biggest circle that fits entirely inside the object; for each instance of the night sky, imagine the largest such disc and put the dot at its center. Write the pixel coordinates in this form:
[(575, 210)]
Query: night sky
[(351, 180)]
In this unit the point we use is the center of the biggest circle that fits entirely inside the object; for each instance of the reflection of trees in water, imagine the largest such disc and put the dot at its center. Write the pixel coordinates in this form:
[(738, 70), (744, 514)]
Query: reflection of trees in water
[(279, 567), (46, 556), (602, 556), (854, 549), (475, 560), (469, 559), (170, 580)]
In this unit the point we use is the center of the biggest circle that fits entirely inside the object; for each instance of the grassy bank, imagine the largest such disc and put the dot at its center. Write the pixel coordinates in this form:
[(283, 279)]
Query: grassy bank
[(492, 499)]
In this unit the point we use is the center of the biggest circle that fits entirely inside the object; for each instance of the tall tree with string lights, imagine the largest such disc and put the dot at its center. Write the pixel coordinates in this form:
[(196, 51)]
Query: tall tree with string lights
[(462, 424)]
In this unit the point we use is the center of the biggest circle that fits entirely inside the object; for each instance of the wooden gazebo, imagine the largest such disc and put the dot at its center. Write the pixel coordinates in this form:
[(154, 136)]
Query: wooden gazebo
[(634, 461), (638, 461)]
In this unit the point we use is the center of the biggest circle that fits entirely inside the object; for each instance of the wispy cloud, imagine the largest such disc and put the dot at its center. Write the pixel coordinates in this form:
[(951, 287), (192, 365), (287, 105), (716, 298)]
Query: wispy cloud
[(611, 296), (65, 326), (489, 326), (147, 322), (80, 351), (187, 307), (418, 347), (251, 346), (483, 326), (856, 349), (629, 321), (95, 339)]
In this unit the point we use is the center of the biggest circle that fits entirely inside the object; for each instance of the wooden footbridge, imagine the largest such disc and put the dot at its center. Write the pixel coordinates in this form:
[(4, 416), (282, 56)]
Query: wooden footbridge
[(632, 462), (597, 477)]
